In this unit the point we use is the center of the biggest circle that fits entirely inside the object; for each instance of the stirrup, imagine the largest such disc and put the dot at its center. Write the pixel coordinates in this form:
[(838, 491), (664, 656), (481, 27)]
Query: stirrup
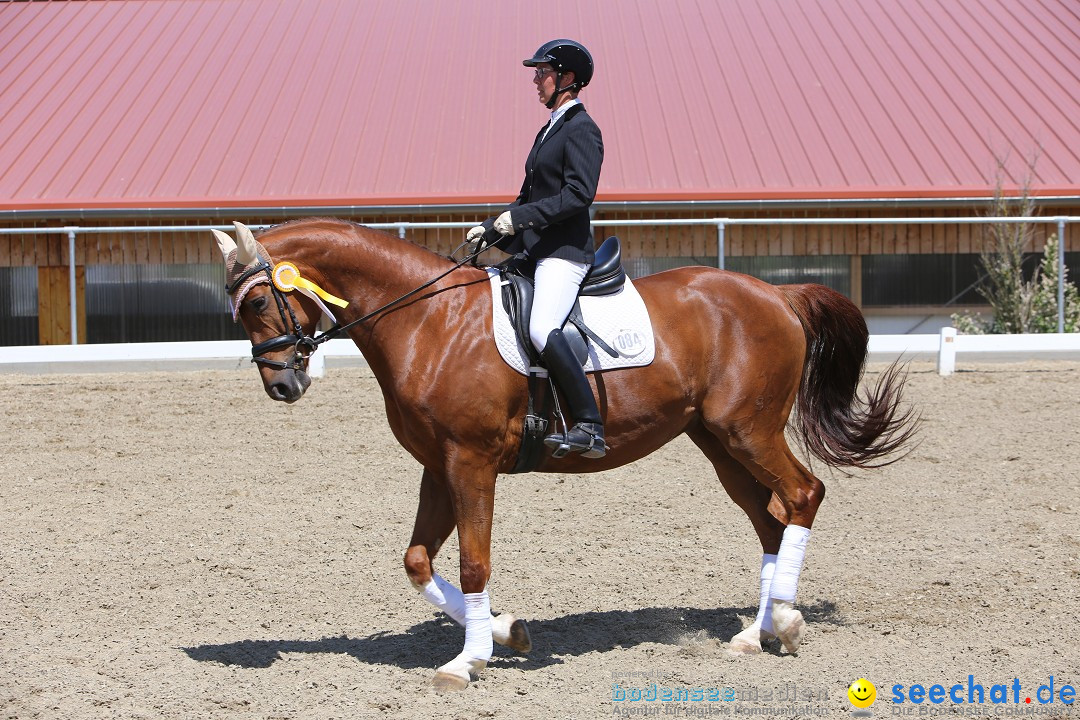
[(584, 438)]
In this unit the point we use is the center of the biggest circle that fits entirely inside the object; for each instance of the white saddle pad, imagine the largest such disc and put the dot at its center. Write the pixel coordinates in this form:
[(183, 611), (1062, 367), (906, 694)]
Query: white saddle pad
[(621, 320)]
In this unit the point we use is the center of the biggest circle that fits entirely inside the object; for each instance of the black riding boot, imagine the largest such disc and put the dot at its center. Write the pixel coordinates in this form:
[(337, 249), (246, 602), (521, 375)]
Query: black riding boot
[(587, 435)]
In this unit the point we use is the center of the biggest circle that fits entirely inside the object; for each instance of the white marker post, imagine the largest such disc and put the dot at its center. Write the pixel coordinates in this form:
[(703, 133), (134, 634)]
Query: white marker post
[(316, 365), (946, 360)]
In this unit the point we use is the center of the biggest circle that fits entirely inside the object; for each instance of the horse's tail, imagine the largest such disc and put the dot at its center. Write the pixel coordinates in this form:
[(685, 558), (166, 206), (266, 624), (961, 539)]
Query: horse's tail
[(834, 421)]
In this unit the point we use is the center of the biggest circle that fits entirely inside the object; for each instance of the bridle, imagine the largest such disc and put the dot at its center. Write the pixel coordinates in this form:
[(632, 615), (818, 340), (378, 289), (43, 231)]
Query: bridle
[(303, 344)]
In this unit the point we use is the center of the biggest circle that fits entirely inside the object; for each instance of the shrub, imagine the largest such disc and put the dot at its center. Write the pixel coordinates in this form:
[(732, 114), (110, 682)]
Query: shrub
[(1019, 305)]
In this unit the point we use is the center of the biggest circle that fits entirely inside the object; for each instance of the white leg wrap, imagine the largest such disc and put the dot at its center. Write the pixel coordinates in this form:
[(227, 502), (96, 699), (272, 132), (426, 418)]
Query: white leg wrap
[(500, 628), (446, 597), (451, 601), (455, 675), (478, 643), (764, 613), (789, 562), (748, 642)]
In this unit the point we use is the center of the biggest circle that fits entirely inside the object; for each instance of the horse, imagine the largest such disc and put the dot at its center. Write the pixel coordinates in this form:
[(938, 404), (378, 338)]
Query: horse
[(734, 355)]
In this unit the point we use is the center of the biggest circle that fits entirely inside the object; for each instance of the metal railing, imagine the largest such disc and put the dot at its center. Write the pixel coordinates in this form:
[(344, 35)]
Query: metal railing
[(720, 223)]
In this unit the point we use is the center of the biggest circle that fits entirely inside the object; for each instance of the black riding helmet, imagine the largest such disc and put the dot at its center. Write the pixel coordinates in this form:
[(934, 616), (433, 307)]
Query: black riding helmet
[(565, 56)]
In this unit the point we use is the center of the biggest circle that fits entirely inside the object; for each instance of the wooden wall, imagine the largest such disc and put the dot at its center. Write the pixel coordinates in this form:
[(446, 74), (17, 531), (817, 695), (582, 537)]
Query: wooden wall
[(856, 239), (655, 241), (54, 304), (143, 248)]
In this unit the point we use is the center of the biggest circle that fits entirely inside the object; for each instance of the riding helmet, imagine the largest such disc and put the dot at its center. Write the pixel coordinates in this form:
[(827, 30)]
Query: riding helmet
[(565, 56)]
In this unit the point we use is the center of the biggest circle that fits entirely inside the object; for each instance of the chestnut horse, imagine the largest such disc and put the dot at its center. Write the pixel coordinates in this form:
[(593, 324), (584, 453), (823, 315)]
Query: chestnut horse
[(733, 356)]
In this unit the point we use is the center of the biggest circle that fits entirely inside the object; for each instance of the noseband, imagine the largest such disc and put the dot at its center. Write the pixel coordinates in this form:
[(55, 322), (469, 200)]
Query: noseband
[(303, 344)]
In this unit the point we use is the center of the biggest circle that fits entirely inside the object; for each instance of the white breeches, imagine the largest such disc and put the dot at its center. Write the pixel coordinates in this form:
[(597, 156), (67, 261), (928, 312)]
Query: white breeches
[(556, 289)]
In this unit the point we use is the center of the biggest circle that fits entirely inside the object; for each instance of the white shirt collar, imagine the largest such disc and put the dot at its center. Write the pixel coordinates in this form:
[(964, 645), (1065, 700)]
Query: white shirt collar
[(561, 110), (558, 113)]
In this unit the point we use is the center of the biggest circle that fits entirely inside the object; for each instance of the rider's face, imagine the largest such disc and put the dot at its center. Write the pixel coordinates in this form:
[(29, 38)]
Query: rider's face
[(544, 78)]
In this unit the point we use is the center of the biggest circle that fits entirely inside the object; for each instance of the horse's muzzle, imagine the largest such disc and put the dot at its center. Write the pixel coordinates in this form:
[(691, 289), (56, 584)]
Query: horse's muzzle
[(288, 385)]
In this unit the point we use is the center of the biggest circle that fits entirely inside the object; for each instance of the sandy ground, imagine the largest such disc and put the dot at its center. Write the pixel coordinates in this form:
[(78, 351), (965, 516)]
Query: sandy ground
[(177, 545)]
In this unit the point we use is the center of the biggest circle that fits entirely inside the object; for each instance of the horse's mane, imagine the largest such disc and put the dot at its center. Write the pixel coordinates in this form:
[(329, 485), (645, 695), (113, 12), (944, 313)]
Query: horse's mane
[(288, 224), (296, 223)]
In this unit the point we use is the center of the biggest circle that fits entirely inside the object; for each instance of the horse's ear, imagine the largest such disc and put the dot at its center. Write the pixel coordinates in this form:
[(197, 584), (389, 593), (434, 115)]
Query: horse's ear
[(246, 251), (225, 243)]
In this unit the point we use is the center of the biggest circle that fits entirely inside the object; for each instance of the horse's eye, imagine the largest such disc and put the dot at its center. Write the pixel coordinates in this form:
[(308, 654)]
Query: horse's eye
[(259, 304)]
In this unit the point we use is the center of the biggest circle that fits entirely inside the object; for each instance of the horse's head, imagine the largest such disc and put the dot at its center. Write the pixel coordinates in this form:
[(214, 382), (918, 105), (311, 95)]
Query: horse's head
[(279, 323)]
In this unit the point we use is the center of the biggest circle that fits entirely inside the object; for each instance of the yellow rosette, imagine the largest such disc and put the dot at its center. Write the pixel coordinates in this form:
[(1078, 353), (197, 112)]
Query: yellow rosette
[(287, 278)]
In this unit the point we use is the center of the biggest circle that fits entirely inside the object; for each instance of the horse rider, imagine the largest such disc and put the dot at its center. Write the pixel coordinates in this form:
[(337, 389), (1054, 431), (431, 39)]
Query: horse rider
[(549, 222)]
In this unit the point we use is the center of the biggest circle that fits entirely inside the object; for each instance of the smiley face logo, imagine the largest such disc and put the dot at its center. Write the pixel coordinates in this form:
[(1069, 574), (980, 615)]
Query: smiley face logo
[(862, 693)]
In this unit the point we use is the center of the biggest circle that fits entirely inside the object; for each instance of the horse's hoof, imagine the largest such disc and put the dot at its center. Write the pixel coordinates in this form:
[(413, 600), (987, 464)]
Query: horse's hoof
[(748, 642), (444, 682), (511, 632), (788, 624), (455, 675), (520, 639)]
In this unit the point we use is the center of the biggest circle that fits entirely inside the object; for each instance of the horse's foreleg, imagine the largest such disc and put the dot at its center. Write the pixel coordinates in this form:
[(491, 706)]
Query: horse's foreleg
[(434, 523), (506, 629), (472, 491)]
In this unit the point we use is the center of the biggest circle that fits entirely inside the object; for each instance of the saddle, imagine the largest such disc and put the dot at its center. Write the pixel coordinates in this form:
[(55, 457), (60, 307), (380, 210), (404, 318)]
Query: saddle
[(605, 277)]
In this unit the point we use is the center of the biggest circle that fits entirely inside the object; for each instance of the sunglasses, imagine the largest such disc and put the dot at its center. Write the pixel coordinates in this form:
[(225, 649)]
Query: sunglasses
[(540, 72)]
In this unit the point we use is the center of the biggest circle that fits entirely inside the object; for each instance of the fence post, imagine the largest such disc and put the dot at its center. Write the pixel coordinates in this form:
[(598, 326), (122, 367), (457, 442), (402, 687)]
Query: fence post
[(1061, 275), (720, 245), (73, 301), (316, 364), (946, 359)]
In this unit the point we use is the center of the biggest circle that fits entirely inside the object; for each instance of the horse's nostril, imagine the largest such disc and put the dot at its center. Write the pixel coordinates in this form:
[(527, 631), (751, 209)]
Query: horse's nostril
[(286, 390)]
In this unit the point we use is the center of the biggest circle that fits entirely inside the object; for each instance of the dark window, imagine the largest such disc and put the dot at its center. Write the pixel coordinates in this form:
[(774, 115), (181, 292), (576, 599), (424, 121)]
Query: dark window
[(157, 303), (18, 306)]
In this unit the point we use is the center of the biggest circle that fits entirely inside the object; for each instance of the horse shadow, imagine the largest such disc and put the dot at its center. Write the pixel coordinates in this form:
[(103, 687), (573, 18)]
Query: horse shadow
[(553, 640)]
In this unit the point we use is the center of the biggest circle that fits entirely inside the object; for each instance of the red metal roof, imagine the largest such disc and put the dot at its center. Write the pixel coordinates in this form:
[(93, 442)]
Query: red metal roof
[(207, 103)]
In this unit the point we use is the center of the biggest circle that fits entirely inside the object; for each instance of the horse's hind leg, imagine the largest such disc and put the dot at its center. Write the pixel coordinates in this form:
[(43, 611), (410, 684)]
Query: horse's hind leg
[(772, 463), (753, 498), (434, 523)]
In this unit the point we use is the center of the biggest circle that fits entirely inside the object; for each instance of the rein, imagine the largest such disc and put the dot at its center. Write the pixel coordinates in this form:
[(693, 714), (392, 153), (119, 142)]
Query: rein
[(303, 344)]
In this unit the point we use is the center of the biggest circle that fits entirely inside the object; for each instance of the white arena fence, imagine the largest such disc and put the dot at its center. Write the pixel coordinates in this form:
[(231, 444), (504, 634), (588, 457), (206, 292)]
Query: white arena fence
[(126, 356)]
